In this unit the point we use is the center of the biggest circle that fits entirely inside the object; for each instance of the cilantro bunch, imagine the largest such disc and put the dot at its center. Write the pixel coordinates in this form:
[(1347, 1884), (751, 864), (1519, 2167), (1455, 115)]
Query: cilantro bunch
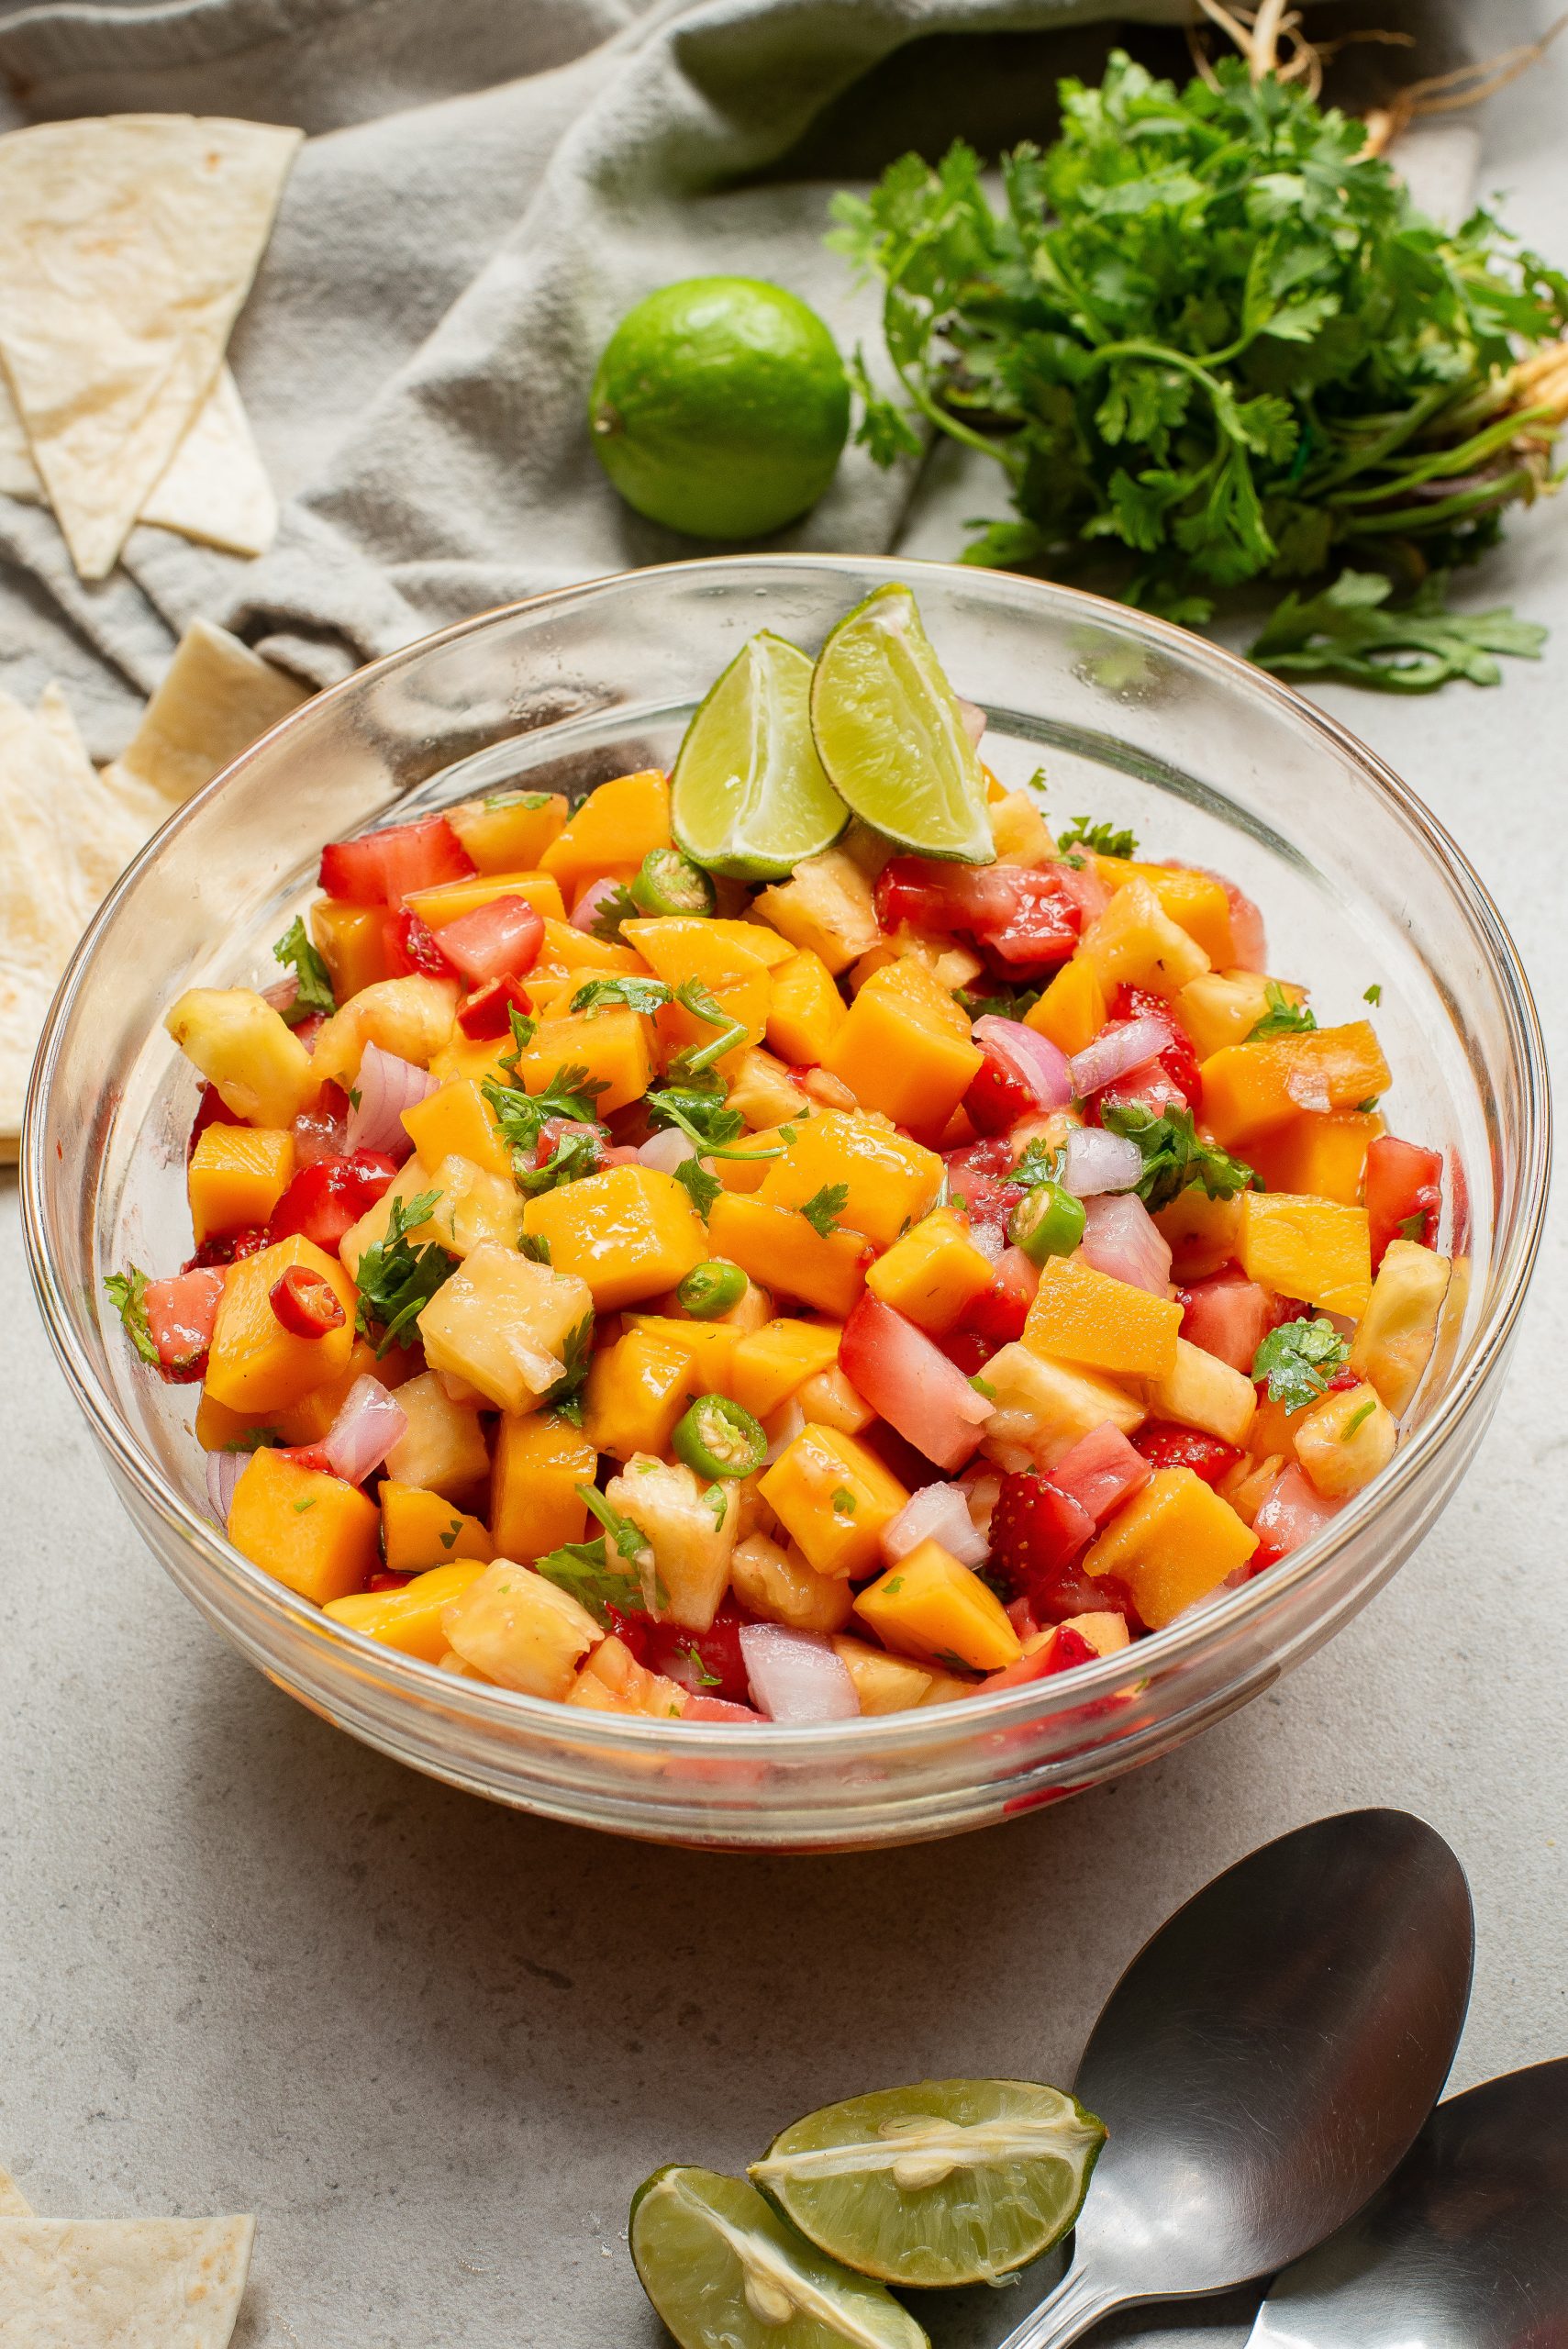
[(1207, 336)]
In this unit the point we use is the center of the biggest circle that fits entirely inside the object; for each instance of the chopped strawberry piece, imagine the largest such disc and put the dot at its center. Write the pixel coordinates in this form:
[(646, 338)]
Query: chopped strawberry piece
[(708, 1663), (180, 1316), (998, 1313), (1404, 1193), (1178, 1060), (325, 1200), (488, 1011), (382, 868), (968, 1349), (305, 1303), (1165, 1445), (411, 946), (226, 1248), (1060, 1653), (1036, 1529)]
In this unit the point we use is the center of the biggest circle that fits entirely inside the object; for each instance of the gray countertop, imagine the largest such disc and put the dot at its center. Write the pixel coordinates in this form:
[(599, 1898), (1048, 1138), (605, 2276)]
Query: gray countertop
[(246, 1964)]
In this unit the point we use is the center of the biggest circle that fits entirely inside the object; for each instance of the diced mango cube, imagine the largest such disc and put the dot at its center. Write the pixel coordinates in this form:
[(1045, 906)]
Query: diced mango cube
[(883, 1683), (1082, 1316), (1251, 1088), (629, 1233), (237, 1175), (1318, 1152), (442, 1448), (930, 1605), (1074, 1008), (823, 907), (905, 1047), (508, 832), (769, 1364), (1176, 1541), (505, 1325), (776, 1245), (934, 1272), (248, 1050), (456, 1121), (254, 1364), (1399, 1328), (833, 1495), (1200, 1391), (520, 1630), (408, 1619), (1041, 1409), (569, 953), (827, 1399), (315, 1533), (351, 941), (612, 831), (779, 1586), (891, 1182), (541, 1460), (710, 1344), (1135, 943), (636, 1390), (1195, 901), (450, 900), (805, 1010), (615, 1047), (1314, 1249), (411, 1017), (422, 1528), (1222, 1008)]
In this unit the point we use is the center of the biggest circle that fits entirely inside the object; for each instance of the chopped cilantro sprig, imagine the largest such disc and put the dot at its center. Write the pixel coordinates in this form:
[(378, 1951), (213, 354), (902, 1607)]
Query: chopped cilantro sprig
[(1298, 1360), (294, 951), (823, 1209), (128, 1294), (1174, 1154), (1283, 1016), (396, 1280), (1100, 840)]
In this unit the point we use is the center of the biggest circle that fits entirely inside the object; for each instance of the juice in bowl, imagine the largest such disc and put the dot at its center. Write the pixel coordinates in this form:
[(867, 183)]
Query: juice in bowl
[(800, 1293)]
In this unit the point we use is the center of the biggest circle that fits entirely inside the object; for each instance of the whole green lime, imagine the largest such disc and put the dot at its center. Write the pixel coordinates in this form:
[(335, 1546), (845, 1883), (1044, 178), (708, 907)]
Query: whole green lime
[(720, 407)]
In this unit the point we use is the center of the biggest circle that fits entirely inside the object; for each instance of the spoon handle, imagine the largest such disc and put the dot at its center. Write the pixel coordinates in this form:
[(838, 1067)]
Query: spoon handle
[(1076, 2304)]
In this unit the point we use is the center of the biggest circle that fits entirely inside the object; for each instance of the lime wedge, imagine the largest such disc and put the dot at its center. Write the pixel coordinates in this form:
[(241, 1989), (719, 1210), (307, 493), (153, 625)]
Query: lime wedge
[(952, 2182), (748, 794), (890, 732), (726, 2272)]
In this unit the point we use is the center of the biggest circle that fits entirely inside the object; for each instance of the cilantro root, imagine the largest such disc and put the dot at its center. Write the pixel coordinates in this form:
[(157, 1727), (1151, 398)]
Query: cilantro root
[(1210, 341)]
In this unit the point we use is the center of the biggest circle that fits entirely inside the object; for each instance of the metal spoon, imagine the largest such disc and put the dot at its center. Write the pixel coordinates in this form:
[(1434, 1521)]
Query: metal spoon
[(1467, 2247), (1264, 2062)]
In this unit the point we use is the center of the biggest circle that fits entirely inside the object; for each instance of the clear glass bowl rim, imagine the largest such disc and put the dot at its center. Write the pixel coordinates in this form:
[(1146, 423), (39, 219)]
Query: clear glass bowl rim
[(863, 1740)]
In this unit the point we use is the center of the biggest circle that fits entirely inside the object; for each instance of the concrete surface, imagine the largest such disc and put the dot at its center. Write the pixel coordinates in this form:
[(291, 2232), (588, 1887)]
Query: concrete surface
[(245, 1964)]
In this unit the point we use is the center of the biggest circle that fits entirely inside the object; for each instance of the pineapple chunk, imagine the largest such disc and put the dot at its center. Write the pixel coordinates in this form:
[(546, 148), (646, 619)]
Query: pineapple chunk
[(1020, 832), (474, 1207), (1399, 1328), (1135, 943), (690, 1529), (1344, 1441), (1204, 1393), (825, 907), (883, 1683), (612, 1681), (520, 1630), (248, 1050), (1042, 1408), (412, 1018), (505, 1325), (780, 1584), (442, 1448), (764, 1092)]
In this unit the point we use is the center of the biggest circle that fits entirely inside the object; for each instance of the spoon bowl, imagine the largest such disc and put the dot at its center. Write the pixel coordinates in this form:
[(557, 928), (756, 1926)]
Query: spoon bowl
[(1467, 2247), (1264, 2063)]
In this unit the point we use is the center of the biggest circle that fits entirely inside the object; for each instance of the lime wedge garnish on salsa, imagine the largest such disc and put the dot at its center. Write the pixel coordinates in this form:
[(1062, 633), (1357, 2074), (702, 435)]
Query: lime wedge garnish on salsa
[(891, 734), (748, 794), (726, 2272), (951, 2182)]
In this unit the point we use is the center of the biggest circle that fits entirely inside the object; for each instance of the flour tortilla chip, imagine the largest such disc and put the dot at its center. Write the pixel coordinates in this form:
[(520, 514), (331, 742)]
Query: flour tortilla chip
[(19, 474), (44, 903), (130, 244), (216, 489), (106, 819), (216, 697), (13, 2203), (122, 2283)]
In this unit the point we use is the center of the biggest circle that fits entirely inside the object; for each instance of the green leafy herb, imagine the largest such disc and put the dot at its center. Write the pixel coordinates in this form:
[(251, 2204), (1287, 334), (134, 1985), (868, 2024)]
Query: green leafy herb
[(892, 1590), (700, 1671), (630, 1539), (1101, 840), (1374, 995), (524, 1028), (583, 1569), (1039, 1163), (703, 1188), (1283, 1018), (295, 950), (576, 1153), (570, 1095), (566, 1397), (128, 1294), (450, 1536), (1209, 339), (1173, 1155), (1298, 1359), (300, 1506), (1350, 633), (396, 1280), (824, 1207), (618, 905), (1014, 1003), (843, 1501), (1357, 1418), (1364, 1108), (528, 799), (1414, 1227), (704, 1004), (535, 1247), (701, 1112), (627, 994)]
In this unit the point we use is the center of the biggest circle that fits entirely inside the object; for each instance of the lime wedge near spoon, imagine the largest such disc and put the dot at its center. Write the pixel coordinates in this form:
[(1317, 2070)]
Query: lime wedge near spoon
[(748, 795), (951, 2182), (891, 735), (726, 2272)]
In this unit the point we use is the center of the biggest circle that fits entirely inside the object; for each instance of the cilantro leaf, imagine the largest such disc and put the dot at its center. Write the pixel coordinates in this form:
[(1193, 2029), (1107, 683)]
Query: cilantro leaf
[(1283, 1016), (703, 1188), (1298, 1360), (1101, 840), (396, 1280), (583, 1571), (295, 950), (1374, 995), (568, 1095), (524, 1028), (1014, 1003), (535, 1247), (565, 1397), (632, 994), (1174, 1156), (1038, 1165), (618, 905), (704, 1004), (576, 1153), (824, 1207), (1347, 633), (128, 1294)]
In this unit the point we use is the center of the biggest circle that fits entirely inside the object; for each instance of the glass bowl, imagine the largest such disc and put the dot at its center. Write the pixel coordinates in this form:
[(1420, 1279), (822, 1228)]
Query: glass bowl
[(1208, 760)]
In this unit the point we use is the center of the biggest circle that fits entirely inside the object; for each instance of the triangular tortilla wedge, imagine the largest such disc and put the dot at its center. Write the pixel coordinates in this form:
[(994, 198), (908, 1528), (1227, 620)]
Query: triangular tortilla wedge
[(122, 2283), (130, 243), (13, 2203), (216, 697), (19, 474), (107, 818)]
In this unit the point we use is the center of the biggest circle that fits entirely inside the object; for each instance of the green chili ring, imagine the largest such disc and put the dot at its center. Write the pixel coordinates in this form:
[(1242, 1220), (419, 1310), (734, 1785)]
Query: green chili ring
[(717, 1438), (669, 882), (711, 1288), (1047, 1221)]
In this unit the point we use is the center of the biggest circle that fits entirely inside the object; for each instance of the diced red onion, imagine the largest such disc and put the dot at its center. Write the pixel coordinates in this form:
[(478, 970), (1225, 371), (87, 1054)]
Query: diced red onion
[(1099, 1161), (589, 906), (1125, 1044), (1121, 1238), (796, 1676), (667, 1150), (973, 718), (369, 1422), (224, 1470), (1292, 1511), (1033, 1059), (282, 993), (384, 1087), (935, 1513)]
